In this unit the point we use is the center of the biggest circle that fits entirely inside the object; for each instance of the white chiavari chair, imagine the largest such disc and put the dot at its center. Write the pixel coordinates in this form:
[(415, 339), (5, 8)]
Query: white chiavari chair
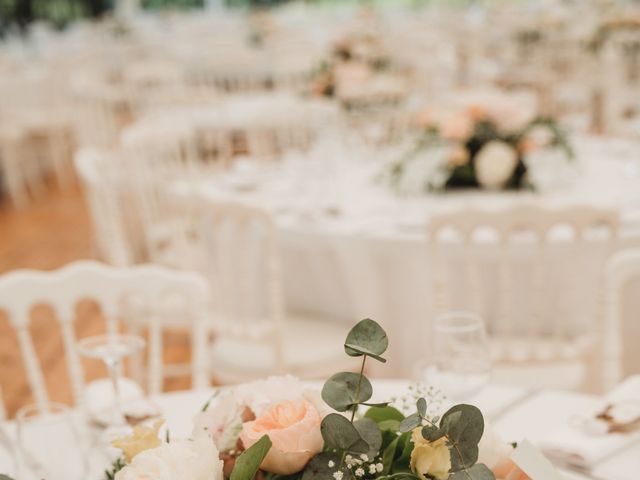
[(622, 278), (101, 175), (147, 296), (535, 275), (254, 336)]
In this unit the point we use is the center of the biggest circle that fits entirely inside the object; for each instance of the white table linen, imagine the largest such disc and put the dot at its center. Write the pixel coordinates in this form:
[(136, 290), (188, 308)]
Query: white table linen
[(353, 249), (532, 416)]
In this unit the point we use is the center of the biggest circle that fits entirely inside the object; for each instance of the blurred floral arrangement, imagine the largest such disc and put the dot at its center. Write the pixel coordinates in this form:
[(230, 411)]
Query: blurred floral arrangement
[(358, 67), (279, 429), (483, 144)]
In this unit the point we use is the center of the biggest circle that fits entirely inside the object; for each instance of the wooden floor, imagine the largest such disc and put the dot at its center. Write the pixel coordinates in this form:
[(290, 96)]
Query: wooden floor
[(49, 233)]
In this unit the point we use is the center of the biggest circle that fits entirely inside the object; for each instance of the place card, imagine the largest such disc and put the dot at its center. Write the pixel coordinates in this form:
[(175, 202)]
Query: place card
[(532, 462)]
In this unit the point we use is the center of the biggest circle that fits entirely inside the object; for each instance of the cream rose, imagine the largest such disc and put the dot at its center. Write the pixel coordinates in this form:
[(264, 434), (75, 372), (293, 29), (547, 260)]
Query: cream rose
[(143, 438), (192, 460), (294, 429), (494, 164), (430, 458)]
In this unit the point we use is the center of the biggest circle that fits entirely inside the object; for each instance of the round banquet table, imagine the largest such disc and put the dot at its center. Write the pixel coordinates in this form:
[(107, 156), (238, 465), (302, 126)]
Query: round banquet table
[(353, 248), (516, 413)]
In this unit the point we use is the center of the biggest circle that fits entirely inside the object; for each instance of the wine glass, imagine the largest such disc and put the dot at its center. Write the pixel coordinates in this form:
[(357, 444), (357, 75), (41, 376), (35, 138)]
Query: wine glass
[(50, 443), (112, 349), (461, 365)]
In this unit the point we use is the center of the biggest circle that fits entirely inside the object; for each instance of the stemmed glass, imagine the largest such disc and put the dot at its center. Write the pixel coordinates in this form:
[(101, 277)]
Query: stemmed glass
[(112, 349), (461, 365), (50, 444)]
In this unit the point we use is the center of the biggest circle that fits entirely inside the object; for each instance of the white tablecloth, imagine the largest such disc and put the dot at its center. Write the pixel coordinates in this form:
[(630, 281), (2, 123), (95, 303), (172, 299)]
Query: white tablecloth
[(515, 413), (353, 249)]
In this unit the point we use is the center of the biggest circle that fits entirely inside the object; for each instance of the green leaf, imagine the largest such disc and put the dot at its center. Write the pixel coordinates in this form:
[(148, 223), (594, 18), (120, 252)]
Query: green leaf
[(431, 433), (248, 463), (341, 391), (463, 423), (411, 422), (421, 405), (388, 456), (5, 477), (370, 433), (403, 454), (478, 472), (318, 468), (389, 425), (464, 426), (381, 414), (367, 338), (339, 433)]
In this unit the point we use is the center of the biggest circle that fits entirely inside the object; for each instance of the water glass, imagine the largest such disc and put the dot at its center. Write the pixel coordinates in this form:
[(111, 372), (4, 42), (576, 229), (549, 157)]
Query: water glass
[(50, 444), (461, 366)]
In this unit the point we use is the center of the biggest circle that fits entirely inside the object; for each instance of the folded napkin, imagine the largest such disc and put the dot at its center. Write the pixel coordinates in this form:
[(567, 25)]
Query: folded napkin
[(586, 440), (99, 398)]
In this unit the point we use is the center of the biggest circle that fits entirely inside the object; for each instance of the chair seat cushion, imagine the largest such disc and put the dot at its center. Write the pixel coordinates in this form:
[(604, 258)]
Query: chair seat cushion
[(310, 348)]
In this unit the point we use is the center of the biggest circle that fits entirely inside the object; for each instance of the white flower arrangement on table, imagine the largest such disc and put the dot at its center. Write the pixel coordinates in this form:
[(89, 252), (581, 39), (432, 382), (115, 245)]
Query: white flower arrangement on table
[(277, 429), (485, 143)]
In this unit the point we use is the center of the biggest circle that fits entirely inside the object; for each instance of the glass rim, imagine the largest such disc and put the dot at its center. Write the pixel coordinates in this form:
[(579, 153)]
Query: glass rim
[(445, 321), (25, 413)]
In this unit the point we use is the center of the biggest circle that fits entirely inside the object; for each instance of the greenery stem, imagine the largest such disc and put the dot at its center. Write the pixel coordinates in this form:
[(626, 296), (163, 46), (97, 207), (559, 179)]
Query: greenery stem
[(355, 407)]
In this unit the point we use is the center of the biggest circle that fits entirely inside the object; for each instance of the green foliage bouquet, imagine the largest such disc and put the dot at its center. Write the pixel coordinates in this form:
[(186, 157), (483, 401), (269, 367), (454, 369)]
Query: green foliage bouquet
[(278, 429)]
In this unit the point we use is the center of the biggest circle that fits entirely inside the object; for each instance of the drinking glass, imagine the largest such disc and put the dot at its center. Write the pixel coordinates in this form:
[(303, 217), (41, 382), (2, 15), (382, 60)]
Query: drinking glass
[(50, 444), (461, 365), (112, 349)]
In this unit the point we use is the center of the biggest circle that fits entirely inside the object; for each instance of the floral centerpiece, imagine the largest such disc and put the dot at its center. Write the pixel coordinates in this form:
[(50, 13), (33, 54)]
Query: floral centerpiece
[(359, 71), (277, 429), (486, 142)]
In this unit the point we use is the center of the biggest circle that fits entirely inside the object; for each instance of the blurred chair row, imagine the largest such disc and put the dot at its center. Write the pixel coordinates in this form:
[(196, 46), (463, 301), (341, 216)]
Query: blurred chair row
[(239, 301)]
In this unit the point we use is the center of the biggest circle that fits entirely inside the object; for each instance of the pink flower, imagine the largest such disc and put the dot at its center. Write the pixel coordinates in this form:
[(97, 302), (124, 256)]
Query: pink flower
[(294, 429), (457, 127)]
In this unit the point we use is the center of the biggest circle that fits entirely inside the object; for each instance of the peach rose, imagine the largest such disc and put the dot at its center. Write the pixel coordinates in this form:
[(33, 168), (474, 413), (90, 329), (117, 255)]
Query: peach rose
[(294, 430), (507, 470), (457, 127)]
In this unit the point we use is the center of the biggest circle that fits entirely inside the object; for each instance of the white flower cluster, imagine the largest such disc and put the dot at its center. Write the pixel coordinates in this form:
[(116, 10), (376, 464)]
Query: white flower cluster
[(407, 403), (359, 468)]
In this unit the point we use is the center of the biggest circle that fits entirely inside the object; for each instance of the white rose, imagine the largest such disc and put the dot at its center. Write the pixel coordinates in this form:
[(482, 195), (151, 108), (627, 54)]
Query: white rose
[(181, 460), (495, 164), (493, 450)]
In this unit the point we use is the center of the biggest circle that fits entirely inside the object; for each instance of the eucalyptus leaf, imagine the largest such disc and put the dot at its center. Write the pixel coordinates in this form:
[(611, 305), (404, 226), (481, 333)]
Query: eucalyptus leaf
[(370, 433), (248, 463), (432, 433), (463, 423), (464, 426), (318, 468), (367, 338), (5, 477), (340, 434), (478, 472), (341, 392), (421, 405), (409, 423)]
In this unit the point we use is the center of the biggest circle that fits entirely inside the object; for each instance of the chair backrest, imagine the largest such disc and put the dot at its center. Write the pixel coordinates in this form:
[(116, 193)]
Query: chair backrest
[(98, 171), (531, 272), (152, 292), (243, 270), (622, 273)]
